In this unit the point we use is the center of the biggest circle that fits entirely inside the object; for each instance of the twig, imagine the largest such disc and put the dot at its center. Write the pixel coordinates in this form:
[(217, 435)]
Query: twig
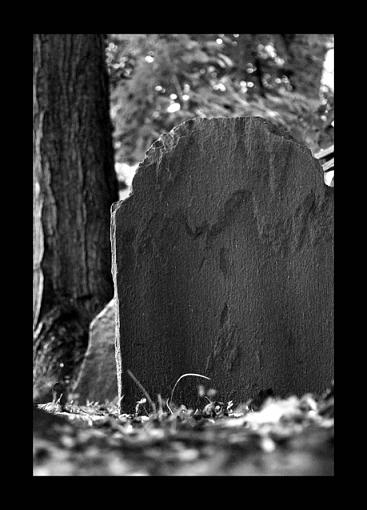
[(178, 89), (328, 166), (324, 152)]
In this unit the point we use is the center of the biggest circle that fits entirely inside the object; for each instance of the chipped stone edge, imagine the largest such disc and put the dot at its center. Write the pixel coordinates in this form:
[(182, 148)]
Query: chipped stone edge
[(168, 140), (114, 209)]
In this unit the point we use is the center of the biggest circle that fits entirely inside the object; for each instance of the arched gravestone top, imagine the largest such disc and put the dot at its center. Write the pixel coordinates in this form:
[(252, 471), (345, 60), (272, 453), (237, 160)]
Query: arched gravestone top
[(223, 264)]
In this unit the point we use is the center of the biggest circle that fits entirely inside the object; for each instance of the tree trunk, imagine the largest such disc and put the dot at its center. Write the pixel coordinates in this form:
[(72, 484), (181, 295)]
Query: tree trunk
[(74, 185)]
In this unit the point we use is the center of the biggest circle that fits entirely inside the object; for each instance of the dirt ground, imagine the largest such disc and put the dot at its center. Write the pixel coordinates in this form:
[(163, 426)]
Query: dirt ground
[(267, 436)]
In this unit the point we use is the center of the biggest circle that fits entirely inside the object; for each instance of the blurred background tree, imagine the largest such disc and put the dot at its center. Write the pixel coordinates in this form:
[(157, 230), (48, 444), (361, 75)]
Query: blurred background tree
[(160, 80)]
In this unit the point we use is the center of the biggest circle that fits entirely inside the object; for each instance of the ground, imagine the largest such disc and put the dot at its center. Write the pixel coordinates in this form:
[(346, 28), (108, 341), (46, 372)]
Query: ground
[(266, 436)]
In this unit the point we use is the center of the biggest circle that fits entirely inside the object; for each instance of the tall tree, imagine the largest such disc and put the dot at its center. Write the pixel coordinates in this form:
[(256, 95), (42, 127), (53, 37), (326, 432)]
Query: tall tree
[(74, 184)]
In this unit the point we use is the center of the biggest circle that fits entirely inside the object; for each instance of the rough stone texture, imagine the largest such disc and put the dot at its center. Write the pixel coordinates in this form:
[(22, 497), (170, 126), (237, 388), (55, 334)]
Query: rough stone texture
[(97, 379), (223, 264)]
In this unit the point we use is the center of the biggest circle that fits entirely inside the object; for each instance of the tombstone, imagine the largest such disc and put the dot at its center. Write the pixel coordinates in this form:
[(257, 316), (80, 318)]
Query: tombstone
[(97, 380), (223, 265)]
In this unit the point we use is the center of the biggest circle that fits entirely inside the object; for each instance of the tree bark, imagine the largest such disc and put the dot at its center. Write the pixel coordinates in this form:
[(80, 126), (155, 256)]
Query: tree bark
[(74, 185)]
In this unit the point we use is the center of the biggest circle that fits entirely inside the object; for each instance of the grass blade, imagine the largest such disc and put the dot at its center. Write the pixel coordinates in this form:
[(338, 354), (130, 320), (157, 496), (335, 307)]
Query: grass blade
[(179, 379), (152, 404)]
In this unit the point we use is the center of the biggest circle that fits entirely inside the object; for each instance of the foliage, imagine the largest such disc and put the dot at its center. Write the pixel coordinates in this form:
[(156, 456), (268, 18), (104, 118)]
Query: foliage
[(160, 80)]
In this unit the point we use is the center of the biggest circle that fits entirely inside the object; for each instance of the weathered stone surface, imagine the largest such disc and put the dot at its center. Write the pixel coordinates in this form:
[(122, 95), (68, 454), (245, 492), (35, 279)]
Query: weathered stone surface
[(223, 264), (97, 380)]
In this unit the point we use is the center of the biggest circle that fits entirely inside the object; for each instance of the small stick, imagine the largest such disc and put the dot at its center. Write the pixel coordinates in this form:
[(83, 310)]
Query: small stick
[(324, 152), (328, 166)]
